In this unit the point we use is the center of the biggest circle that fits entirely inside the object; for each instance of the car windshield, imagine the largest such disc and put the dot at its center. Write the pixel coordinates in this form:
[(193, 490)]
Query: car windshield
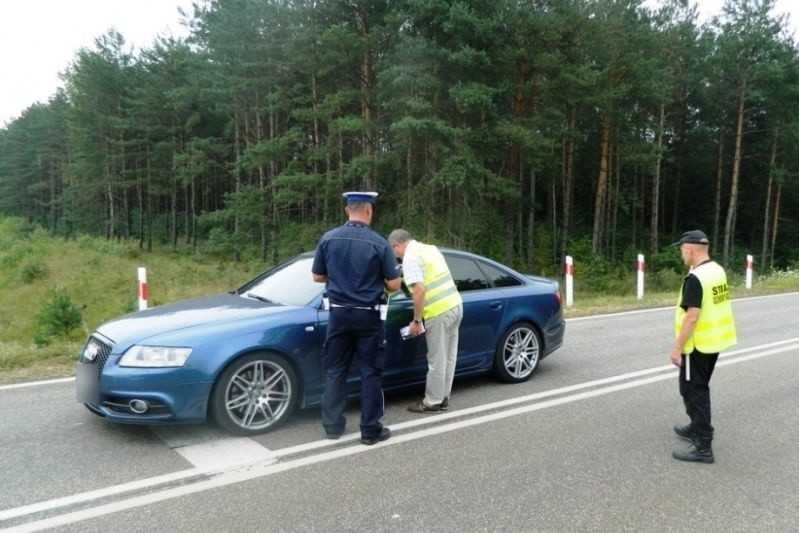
[(286, 284)]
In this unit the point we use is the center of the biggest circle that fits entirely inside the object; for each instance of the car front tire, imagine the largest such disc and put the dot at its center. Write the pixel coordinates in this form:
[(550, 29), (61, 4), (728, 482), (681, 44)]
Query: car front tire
[(518, 353), (255, 394)]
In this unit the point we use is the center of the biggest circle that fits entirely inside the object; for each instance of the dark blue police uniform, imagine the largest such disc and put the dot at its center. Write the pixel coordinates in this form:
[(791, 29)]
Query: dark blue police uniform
[(356, 261)]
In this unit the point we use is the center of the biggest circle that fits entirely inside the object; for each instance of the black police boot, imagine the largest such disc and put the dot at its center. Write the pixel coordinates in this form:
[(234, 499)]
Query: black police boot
[(685, 432), (699, 451)]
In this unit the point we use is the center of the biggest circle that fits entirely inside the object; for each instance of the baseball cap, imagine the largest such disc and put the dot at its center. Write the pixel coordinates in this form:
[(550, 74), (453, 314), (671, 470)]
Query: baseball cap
[(693, 236)]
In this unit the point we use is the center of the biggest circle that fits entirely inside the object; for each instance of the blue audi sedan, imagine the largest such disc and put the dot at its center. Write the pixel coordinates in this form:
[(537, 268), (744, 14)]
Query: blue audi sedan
[(247, 359)]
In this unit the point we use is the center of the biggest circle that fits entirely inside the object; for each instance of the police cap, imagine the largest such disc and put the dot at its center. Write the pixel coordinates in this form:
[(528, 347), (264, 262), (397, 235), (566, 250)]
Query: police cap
[(360, 196)]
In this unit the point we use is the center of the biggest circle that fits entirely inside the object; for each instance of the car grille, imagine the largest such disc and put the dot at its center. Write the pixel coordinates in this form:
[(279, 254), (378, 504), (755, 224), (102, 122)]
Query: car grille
[(103, 351)]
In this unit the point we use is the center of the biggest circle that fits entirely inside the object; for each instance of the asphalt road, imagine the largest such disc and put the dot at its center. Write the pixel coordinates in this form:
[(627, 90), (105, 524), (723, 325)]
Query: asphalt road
[(585, 445)]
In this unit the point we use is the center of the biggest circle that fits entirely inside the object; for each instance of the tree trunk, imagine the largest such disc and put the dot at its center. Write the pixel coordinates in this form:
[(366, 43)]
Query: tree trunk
[(600, 202), (140, 200), (109, 197), (367, 75), (173, 216), (767, 208), (653, 242), (568, 179), (270, 233), (149, 221), (729, 228), (719, 179), (193, 217), (776, 222), (531, 220), (237, 184), (615, 202)]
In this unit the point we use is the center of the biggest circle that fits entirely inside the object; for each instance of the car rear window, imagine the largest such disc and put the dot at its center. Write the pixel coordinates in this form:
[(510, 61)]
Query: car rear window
[(499, 278), (471, 275), (467, 275)]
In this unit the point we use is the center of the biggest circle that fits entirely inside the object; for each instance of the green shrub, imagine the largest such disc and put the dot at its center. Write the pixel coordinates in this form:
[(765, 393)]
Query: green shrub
[(101, 246), (591, 271), (666, 280), (669, 258), (32, 271), (57, 319)]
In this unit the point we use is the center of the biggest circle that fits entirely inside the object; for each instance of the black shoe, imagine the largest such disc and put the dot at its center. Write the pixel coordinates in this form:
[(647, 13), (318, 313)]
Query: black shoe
[(685, 432), (445, 404), (333, 436), (420, 407), (385, 433), (694, 454)]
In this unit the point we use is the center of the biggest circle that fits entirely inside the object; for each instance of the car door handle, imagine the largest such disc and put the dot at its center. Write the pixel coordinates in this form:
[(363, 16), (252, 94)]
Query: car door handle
[(495, 305)]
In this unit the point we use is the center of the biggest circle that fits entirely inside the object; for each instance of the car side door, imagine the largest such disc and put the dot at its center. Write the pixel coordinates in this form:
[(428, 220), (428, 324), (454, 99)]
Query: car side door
[(483, 309)]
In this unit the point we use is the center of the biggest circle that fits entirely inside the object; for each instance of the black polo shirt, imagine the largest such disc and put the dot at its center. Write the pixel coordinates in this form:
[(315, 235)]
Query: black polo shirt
[(356, 261), (692, 291)]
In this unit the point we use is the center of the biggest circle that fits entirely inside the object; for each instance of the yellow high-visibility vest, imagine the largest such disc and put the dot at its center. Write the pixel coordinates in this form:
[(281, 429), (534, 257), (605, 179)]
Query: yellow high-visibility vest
[(715, 327), (440, 292)]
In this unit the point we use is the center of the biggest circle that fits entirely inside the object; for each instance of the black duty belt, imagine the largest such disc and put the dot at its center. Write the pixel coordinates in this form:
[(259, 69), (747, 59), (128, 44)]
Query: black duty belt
[(375, 307)]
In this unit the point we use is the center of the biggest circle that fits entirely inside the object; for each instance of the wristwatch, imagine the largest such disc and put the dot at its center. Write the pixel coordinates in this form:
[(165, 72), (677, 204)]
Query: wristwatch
[(417, 321)]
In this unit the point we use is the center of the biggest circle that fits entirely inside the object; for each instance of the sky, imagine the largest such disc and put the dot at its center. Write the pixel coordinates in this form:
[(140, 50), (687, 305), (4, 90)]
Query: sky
[(39, 38)]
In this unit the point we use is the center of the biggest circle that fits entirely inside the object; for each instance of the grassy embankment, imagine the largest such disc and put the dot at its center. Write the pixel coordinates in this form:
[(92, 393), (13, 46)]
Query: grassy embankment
[(100, 278)]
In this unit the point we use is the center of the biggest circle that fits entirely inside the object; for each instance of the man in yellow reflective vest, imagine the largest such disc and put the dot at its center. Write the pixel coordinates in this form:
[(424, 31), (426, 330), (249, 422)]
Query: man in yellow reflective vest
[(703, 327), (437, 312)]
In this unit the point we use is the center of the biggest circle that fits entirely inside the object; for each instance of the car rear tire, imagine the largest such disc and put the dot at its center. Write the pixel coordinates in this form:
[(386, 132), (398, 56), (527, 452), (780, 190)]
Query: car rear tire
[(255, 394), (518, 353)]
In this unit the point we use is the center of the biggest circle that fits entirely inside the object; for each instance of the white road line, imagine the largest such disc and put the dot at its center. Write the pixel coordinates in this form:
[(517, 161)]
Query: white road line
[(211, 450), (36, 383), (261, 469), (439, 417), (667, 308)]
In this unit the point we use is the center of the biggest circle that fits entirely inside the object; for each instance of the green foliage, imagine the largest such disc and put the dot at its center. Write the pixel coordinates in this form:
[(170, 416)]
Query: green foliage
[(464, 116), (542, 256), (296, 238), (14, 229), (225, 244), (669, 258), (58, 318), (16, 253), (33, 271), (665, 280), (97, 282), (98, 277), (590, 269)]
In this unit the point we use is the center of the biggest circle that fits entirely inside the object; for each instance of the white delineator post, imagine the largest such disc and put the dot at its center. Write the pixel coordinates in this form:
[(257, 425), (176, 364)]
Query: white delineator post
[(749, 262), (640, 276), (142, 288), (569, 271)]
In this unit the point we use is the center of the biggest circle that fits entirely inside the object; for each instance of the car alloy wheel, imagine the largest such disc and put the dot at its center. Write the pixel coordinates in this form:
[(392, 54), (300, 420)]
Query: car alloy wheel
[(254, 394), (518, 353)]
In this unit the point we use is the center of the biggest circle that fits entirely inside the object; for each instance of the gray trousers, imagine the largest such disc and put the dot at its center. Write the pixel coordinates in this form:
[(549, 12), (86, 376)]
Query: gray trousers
[(442, 354)]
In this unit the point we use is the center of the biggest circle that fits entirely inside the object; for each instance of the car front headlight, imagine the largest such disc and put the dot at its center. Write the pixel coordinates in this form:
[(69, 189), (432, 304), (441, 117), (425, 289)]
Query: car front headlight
[(155, 356)]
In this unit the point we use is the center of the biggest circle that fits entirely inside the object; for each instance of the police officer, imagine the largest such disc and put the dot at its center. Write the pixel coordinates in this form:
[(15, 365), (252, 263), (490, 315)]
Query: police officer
[(356, 264), (703, 327)]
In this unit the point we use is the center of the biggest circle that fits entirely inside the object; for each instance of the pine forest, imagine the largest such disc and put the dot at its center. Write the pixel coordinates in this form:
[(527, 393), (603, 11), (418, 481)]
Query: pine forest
[(523, 130)]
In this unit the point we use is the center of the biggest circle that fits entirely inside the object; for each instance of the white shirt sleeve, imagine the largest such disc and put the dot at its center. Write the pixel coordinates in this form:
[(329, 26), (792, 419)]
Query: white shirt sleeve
[(412, 269)]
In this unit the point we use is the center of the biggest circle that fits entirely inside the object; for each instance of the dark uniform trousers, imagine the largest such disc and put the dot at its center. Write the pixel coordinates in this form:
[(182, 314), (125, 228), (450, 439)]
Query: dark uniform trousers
[(354, 333), (696, 392)]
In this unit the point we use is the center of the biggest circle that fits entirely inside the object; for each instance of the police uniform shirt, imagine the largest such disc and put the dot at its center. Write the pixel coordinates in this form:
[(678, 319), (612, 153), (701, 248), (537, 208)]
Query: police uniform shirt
[(356, 261)]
